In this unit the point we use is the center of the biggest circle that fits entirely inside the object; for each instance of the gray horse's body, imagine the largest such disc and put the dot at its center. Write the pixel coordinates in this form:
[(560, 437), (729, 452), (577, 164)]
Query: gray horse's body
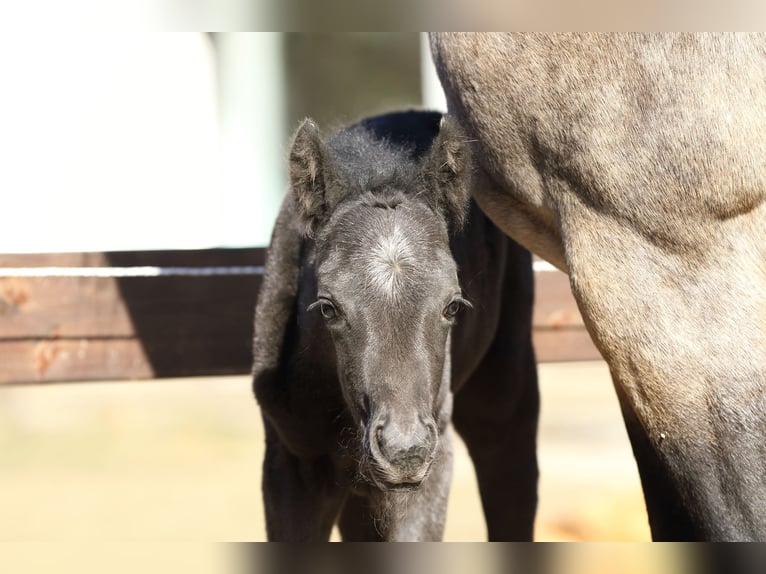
[(637, 163), (318, 444)]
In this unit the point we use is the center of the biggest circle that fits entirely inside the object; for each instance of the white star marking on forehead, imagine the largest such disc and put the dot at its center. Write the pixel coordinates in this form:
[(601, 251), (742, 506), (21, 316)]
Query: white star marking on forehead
[(392, 256)]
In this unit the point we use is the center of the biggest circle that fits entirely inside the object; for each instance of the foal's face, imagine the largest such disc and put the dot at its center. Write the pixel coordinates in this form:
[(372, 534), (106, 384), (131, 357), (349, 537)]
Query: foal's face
[(388, 292), (386, 282)]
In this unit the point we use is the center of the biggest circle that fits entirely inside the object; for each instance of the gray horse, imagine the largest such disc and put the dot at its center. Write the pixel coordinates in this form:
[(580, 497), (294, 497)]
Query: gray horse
[(364, 330), (637, 163)]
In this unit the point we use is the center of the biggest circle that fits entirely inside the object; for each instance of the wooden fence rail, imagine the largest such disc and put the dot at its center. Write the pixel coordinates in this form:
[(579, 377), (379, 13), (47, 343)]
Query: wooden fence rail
[(139, 315)]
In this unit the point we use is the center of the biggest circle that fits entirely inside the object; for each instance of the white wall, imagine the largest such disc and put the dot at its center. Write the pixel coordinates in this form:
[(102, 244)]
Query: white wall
[(113, 141), (144, 141), (433, 95), (253, 135)]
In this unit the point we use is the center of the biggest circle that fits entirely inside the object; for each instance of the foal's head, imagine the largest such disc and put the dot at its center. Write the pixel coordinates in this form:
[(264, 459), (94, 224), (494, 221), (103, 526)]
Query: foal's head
[(387, 287)]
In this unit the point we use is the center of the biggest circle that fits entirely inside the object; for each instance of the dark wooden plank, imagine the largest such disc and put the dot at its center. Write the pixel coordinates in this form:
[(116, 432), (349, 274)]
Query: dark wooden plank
[(95, 307), (184, 258), (52, 360), (555, 307), (557, 345), (155, 326), (49, 307), (189, 258), (52, 260), (190, 324), (72, 360), (559, 333), (84, 359), (43, 307)]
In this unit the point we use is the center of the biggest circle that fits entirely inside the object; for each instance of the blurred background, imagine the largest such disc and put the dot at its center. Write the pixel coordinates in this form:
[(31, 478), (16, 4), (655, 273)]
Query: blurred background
[(180, 460), (177, 141)]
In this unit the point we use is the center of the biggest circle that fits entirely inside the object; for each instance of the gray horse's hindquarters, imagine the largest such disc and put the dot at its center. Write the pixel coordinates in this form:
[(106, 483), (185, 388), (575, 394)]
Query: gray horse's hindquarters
[(356, 396), (636, 162)]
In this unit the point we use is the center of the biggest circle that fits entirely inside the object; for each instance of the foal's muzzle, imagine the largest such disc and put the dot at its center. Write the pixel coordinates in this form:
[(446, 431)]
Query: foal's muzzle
[(402, 450)]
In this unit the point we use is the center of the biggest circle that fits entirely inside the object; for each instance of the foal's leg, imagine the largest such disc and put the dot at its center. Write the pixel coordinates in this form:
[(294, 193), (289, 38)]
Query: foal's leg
[(300, 499), (496, 413), (681, 324), (357, 521)]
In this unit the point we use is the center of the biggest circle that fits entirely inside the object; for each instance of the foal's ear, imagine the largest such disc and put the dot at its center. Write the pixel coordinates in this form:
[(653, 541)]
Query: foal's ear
[(447, 173), (309, 173)]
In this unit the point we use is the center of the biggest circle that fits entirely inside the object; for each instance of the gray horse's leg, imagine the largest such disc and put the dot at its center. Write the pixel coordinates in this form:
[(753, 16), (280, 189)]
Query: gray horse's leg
[(496, 413), (682, 328), (669, 519), (300, 500)]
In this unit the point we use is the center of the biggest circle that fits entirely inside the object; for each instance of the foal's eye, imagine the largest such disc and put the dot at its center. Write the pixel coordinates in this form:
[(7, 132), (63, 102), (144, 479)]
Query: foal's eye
[(327, 310), (454, 307)]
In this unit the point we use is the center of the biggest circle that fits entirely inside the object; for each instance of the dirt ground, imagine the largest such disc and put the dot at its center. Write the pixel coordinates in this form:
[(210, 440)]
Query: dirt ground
[(179, 460)]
